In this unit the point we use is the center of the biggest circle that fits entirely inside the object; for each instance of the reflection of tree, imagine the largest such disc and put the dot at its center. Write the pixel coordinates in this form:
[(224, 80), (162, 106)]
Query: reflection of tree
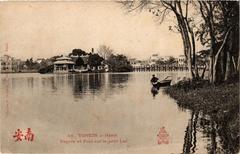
[(30, 82), (219, 131), (209, 130), (226, 131), (80, 84), (118, 78), (213, 128), (95, 82), (190, 140)]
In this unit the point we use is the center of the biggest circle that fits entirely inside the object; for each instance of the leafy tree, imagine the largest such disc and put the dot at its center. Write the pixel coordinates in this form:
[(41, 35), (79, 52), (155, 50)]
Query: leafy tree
[(94, 60), (180, 9), (78, 52), (220, 30), (79, 62), (32, 65), (119, 63)]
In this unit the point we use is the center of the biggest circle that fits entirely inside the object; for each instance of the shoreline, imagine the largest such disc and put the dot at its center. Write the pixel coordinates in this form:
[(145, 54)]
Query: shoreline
[(220, 103)]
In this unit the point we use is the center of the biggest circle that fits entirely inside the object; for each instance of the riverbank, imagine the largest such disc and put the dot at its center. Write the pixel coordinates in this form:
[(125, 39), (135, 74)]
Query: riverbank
[(220, 102), (22, 71)]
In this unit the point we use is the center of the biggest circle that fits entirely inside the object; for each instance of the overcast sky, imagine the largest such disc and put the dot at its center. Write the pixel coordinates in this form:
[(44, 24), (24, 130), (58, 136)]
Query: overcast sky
[(44, 29)]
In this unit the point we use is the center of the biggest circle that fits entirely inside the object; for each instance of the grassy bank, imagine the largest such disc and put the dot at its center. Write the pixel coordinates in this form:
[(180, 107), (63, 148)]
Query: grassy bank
[(220, 102)]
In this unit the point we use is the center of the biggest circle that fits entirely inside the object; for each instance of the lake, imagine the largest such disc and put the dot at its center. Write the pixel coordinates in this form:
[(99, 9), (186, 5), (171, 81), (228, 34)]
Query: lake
[(89, 113)]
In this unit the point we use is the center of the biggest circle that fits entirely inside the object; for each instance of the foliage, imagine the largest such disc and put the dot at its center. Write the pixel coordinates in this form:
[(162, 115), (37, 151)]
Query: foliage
[(79, 62), (119, 63), (78, 52), (218, 29), (94, 60), (219, 102), (169, 61), (32, 65), (47, 69)]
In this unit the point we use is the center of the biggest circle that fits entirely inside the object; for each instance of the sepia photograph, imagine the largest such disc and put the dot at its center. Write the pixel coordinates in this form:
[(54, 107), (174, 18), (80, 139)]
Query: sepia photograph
[(119, 76)]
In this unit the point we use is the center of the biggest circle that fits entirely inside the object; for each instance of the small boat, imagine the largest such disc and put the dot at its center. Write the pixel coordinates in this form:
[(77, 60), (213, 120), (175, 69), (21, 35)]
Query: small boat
[(165, 82)]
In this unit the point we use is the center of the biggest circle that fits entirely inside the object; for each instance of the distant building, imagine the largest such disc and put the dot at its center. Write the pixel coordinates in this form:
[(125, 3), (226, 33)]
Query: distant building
[(103, 67), (135, 63), (153, 59), (181, 61), (9, 64), (63, 65), (6, 63)]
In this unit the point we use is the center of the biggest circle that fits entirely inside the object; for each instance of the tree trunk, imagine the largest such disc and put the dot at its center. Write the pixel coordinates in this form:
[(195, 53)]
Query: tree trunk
[(186, 43), (202, 76), (228, 67), (217, 55), (234, 65), (238, 65), (211, 60)]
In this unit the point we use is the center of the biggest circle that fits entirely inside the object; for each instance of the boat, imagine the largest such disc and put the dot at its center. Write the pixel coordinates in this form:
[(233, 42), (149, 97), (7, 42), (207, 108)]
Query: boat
[(163, 83)]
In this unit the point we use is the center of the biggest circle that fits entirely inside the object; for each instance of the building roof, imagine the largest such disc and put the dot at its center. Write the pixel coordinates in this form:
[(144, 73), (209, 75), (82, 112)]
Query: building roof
[(63, 58), (63, 62)]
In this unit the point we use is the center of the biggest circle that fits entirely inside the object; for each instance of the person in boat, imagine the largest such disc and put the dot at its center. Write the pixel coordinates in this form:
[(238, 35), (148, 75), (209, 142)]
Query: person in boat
[(154, 80)]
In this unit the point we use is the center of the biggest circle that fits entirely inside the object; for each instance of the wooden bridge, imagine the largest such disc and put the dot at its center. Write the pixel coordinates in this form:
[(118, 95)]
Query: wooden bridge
[(160, 68)]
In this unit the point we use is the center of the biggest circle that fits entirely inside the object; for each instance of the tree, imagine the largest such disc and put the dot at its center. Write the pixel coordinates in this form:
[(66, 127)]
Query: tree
[(105, 51), (180, 9), (94, 60), (32, 65), (220, 30), (79, 62), (78, 52), (171, 60), (119, 63)]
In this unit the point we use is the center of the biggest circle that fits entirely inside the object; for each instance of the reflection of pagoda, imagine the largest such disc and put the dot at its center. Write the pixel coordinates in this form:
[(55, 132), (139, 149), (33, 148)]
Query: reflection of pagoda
[(63, 65)]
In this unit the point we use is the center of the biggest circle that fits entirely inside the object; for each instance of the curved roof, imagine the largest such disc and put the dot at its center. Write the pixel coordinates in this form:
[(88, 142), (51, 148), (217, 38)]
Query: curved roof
[(63, 58), (63, 62)]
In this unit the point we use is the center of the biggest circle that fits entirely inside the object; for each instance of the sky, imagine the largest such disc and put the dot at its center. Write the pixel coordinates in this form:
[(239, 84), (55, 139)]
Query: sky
[(46, 29)]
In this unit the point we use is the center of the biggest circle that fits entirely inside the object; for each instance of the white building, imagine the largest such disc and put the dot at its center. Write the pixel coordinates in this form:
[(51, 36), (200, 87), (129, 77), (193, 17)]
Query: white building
[(9, 64), (153, 59), (181, 60), (63, 65), (135, 63)]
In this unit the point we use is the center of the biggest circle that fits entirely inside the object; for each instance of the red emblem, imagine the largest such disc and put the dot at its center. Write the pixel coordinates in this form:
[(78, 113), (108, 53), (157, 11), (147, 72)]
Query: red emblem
[(18, 135), (29, 136), (163, 137)]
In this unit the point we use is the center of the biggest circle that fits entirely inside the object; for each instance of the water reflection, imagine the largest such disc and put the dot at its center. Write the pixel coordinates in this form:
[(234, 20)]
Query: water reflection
[(86, 84), (214, 132), (190, 139), (154, 91), (122, 102)]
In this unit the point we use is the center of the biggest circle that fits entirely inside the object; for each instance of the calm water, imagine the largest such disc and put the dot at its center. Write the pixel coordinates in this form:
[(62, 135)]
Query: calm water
[(61, 108)]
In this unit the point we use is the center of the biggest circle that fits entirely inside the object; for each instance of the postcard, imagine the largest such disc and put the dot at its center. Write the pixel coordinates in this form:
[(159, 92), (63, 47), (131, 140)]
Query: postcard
[(119, 77)]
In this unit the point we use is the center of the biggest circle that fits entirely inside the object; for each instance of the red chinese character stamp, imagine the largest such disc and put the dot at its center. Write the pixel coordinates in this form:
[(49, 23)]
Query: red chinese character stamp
[(29, 136), (162, 136), (18, 135)]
